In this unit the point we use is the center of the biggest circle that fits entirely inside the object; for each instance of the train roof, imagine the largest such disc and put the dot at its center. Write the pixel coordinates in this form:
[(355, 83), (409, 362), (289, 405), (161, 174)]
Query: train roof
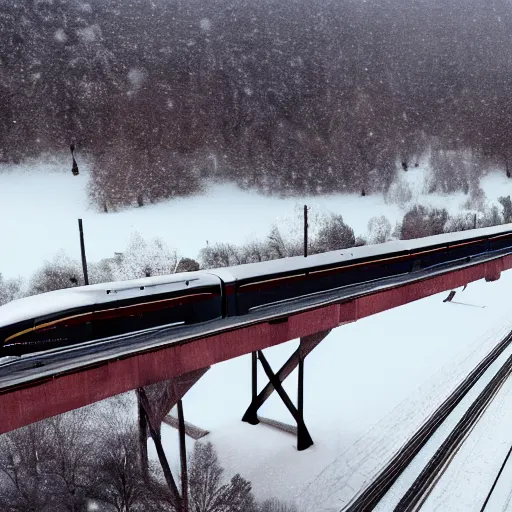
[(47, 303), (70, 298), (297, 263)]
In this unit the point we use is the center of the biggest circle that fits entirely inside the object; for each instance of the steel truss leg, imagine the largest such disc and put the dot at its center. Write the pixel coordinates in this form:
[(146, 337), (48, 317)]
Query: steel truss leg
[(154, 432), (183, 459), (154, 403), (143, 439), (307, 344)]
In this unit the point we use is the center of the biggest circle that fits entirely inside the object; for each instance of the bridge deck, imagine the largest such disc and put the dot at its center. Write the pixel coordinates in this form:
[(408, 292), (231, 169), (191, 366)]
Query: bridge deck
[(36, 387)]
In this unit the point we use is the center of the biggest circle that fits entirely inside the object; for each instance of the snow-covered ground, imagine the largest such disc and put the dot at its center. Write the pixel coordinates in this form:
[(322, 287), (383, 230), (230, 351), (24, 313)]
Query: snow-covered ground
[(478, 459), (46, 200), (468, 479), (46, 203), (368, 385)]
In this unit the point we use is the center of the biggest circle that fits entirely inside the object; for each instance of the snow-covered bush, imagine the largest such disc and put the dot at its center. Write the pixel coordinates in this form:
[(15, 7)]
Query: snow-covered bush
[(421, 221), (477, 199), (507, 209), (61, 272), (10, 289), (187, 265), (143, 259), (219, 255), (379, 230), (360, 241), (398, 193), (255, 252), (333, 234), (460, 222), (490, 217)]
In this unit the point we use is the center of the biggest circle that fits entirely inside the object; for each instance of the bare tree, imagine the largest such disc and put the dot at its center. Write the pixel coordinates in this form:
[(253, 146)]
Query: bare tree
[(118, 478), (72, 459), (208, 493), (24, 457), (274, 505)]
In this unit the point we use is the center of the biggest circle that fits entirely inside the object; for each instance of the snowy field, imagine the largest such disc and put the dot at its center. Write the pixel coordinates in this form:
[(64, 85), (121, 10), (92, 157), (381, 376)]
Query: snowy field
[(46, 200), (478, 459), (368, 385)]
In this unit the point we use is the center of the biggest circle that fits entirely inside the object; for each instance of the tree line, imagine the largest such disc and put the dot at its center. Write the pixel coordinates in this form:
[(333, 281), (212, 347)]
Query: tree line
[(284, 96), (144, 258)]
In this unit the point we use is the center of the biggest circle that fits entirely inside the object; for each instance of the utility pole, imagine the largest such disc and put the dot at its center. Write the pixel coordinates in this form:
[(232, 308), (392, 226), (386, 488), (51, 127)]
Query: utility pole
[(82, 248), (74, 168), (305, 231)]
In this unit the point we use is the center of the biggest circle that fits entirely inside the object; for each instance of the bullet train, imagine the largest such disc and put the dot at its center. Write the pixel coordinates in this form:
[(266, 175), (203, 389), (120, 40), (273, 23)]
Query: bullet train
[(88, 313)]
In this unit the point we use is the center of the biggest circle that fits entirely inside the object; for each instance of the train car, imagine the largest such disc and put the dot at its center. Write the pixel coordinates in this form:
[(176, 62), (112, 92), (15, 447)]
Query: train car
[(85, 313), (266, 284), (101, 311)]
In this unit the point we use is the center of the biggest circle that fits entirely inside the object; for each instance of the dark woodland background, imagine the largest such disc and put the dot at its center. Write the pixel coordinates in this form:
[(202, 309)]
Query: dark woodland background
[(286, 96)]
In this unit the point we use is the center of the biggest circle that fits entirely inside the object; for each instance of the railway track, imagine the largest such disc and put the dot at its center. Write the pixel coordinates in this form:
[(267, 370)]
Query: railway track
[(377, 489), (496, 480), (425, 482)]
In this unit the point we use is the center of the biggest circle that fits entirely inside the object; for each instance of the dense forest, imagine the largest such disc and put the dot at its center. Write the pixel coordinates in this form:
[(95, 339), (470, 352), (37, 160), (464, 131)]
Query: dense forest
[(286, 96)]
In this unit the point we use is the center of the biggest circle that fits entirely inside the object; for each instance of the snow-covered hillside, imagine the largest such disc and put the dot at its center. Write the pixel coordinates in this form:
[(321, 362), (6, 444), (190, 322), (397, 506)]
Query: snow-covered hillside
[(42, 201)]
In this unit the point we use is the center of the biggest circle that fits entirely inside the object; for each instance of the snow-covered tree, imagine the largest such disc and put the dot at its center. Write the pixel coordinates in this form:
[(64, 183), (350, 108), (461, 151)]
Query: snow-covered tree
[(208, 490), (379, 230), (10, 289), (144, 258), (333, 234)]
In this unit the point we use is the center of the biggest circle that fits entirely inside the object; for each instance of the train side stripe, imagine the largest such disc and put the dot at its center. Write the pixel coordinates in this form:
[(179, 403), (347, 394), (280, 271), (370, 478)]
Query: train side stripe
[(111, 313)]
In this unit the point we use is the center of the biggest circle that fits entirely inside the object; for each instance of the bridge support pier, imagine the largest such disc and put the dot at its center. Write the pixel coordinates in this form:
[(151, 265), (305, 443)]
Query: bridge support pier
[(307, 344), (154, 403), (155, 433)]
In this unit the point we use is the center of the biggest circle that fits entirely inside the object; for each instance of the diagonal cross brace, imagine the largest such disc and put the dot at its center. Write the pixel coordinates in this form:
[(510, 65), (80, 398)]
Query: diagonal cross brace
[(303, 438), (162, 397), (154, 403), (307, 344)]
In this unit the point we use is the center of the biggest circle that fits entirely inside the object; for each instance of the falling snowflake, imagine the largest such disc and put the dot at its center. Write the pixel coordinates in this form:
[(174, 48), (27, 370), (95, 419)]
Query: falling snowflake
[(137, 77), (205, 24), (60, 36), (89, 34)]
